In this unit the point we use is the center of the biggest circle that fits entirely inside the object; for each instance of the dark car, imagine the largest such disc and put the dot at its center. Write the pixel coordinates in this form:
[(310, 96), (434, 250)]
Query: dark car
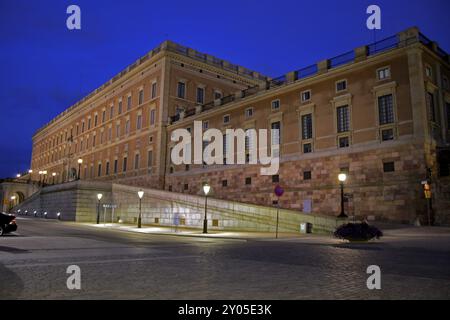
[(7, 223)]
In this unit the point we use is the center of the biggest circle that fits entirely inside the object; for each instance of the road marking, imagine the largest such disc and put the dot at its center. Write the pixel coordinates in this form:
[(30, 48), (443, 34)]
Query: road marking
[(96, 261)]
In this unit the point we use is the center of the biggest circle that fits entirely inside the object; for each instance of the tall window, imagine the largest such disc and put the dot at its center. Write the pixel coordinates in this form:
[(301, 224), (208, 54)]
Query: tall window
[(200, 95), (141, 97), (431, 108), (136, 161), (386, 109), (103, 116), (139, 122), (154, 88), (120, 107), (117, 130), (127, 127), (129, 102), (181, 90), (124, 166), (107, 168), (115, 165), (225, 148), (307, 128), (152, 117), (149, 158), (99, 171), (95, 120), (111, 112), (343, 121)]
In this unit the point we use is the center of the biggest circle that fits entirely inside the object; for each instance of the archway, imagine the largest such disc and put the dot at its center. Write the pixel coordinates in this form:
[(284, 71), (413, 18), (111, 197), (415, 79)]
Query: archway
[(73, 174), (15, 199)]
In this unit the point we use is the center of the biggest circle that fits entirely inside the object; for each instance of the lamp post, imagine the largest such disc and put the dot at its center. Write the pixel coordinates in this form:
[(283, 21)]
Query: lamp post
[(140, 195), (13, 199), (45, 174), (99, 197), (53, 175), (30, 172), (40, 177), (18, 175), (206, 189), (80, 161), (342, 177)]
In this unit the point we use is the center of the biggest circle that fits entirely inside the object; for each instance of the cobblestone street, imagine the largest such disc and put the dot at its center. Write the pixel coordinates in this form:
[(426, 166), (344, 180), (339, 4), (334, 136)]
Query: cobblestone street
[(116, 264)]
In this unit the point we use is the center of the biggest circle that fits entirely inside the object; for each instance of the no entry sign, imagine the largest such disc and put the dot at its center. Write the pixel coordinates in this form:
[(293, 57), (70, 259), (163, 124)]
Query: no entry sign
[(278, 191)]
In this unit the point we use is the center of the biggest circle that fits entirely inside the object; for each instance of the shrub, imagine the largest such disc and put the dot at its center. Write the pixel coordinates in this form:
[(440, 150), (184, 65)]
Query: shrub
[(357, 232)]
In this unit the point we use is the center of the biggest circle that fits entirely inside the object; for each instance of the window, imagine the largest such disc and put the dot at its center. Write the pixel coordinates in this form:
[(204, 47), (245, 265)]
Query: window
[(307, 148), (387, 134), (217, 94), (111, 112), (139, 122), (200, 95), (186, 186), (306, 96), (89, 123), (93, 140), (226, 118), (136, 161), (205, 125), (307, 129), (103, 116), (102, 134), (341, 85), (154, 88), (129, 102), (127, 127), (343, 121), (249, 112), (388, 166), (181, 90), (275, 104), (99, 171), (117, 130), (186, 167), (120, 106), (248, 181), (124, 166), (276, 136), (428, 71), (107, 168), (82, 127), (152, 117), (170, 188), (109, 133), (149, 158), (384, 73), (306, 175), (115, 165), (431, 108), (275, 178), (141, 96), (385, 109), (344, 142), (95, 120), (224, 183)]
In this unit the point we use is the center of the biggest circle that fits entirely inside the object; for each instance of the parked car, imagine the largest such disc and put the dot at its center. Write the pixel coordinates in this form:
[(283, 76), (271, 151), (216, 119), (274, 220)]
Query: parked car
[(7, 223)]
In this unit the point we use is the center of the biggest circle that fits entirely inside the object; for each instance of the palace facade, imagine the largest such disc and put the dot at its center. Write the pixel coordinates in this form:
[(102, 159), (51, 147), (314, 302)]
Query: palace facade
[(380, 113)]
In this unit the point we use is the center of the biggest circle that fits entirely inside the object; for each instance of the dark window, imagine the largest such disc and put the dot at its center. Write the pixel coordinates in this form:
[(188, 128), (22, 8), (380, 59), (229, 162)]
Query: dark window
[(186, 186), (226, 119), (431, 108), (248, 181), (171, 170), (129, 102), (107, 168), (307, 128), (224, 183), (154, 89), (344, 142), (115, 165), (200, 95), (307, 148), (120, 107), (306, 175), (275, 178), (95, 120), (124, 167), (150, 158), (103, 116), (136, 161), (217, 95), (111, 112), (99, 172), (170, 188), (181, 90), (388, 167), (343, 119), (341, 85), (385, 109), (186, 168), (141, 96), (275, 104), (387, 134)]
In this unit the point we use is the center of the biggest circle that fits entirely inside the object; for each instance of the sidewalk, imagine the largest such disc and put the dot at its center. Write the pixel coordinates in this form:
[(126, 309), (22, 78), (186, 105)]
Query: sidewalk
[(195, 232)]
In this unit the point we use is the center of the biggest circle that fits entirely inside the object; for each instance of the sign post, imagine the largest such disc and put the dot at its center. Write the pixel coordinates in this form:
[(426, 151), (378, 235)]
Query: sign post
[(278, 192)]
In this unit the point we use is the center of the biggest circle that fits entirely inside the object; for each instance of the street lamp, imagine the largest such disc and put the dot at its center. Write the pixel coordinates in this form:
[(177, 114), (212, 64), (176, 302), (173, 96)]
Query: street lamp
[(53, 175), (40, 177), (18, 175), (140, 195), (44, 173), (80, 161), (206, 189), (30, 172), (342, 177), (13, 198), (99, 197)]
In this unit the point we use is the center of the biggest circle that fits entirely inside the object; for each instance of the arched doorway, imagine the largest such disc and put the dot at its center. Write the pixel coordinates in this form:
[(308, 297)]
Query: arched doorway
[(15, 199), (72, 174)]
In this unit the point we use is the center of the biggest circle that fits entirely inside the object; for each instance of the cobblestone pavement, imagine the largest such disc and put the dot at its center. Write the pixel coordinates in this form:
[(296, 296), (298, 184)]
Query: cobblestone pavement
[(114, 264)]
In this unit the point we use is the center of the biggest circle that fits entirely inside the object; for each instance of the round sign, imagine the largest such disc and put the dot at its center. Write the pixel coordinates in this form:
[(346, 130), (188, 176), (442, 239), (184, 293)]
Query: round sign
[(278, 191)]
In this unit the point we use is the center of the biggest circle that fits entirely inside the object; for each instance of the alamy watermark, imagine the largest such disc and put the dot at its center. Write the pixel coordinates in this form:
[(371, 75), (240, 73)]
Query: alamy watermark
[(213, 147)]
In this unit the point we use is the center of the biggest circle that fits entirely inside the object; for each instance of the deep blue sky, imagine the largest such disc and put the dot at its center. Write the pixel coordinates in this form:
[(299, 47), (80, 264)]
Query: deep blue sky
[(45, 68)]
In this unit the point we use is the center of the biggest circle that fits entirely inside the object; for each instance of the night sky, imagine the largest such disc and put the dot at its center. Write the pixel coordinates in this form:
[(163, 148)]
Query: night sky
[(45, 68)]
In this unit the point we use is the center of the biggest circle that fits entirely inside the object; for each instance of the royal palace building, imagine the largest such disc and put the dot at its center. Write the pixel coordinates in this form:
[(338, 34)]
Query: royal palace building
[(380, 113)]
